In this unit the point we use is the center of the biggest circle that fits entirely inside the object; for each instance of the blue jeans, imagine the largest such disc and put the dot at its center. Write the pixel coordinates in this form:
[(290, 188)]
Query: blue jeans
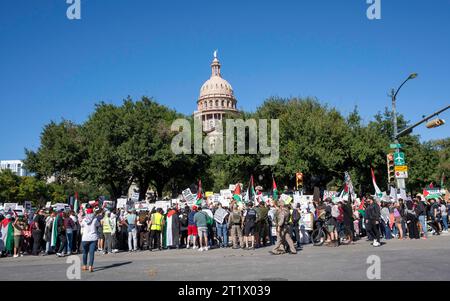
[(445, 222), (222, 232), (423, 223), (89, 247), (387, 231), (69, 242)]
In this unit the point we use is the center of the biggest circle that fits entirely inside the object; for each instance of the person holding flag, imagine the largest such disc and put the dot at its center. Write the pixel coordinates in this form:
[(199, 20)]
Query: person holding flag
[(7, 236)]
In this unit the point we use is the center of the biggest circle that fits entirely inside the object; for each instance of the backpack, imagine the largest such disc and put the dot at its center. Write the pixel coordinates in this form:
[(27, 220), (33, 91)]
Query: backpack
[(235, 218)]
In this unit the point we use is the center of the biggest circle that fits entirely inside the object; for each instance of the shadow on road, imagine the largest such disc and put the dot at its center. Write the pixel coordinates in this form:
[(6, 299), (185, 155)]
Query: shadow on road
[(115, 265)]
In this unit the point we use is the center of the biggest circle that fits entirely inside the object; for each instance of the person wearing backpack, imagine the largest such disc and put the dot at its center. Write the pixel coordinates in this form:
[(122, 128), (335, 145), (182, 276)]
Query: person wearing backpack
[(184, 223), (296, 215), (249, 226), (201, 221), (234, 223)]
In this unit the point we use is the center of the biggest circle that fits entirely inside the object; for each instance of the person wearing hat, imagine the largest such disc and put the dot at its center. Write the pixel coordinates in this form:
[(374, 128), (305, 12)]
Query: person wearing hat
[(283, 235), (234, 224), (192, 229), (89, 225)]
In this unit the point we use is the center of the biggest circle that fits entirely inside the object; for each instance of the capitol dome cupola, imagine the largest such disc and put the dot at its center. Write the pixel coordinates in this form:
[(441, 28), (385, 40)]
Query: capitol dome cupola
[(216, 98)]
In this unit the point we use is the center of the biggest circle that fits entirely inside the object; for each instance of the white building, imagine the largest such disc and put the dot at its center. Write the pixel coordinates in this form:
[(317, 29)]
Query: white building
[(16, 166), (216, 99)]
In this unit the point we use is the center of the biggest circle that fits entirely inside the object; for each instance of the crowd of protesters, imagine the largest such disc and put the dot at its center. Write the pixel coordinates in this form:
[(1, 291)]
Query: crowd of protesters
[(210, 225)]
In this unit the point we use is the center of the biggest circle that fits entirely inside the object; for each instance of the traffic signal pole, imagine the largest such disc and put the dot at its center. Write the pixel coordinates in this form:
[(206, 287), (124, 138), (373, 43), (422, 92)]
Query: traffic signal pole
[(409, 129)]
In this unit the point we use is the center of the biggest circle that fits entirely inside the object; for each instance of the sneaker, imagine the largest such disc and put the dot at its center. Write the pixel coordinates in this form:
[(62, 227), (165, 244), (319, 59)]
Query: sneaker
[(200, 249), (206, 249), (187, 247), (195, 247), (376, 244), (15, 256), (115, 251), (104, 253), (21, 255)]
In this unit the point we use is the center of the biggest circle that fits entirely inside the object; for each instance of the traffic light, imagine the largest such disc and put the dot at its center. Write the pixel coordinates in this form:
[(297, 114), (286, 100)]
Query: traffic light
[(391, 168), (435, 123)]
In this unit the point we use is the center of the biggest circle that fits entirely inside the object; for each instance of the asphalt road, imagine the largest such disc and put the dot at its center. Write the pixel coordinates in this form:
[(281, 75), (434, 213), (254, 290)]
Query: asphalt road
[(399, 260)]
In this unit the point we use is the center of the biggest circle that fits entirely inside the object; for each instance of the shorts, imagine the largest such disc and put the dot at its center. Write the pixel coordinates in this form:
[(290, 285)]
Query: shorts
[(202, 231), (249, 229), (192, 230), (18, 240), (331, 228)]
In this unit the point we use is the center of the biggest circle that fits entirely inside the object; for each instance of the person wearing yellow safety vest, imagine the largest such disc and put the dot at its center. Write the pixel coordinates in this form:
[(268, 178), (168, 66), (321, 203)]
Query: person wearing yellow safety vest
[(156, 225), (107, 229)]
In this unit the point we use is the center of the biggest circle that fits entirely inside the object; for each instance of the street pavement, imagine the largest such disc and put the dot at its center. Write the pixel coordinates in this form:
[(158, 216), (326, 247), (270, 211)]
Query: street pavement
[(400, 260)]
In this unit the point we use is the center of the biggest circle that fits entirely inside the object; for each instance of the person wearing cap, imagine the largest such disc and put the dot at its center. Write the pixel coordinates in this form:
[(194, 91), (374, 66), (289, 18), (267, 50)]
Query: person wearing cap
[(192, 229), (283, 235), (89, 239), (234, 224)]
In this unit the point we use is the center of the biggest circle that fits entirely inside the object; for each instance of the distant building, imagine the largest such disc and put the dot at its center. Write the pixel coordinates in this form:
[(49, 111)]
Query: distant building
[(216, 99), (16, 166)]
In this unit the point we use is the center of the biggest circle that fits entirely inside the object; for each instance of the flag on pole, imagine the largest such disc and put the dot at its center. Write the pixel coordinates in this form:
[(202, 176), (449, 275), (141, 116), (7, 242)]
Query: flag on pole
[(199, 193), (251, 193), (7, 235), (377, 189), (76, 204), (237, 193), (274, 190), (54, 236)]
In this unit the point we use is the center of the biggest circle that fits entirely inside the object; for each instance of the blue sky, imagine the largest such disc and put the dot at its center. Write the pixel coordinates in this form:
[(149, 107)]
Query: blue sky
[(53, 68)]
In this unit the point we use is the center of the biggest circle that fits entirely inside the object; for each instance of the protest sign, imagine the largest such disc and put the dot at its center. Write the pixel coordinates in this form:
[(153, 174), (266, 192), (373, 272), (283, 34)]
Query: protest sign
[(48, 204), (121, 203), (9, 206), (189, 197), (220, 215), (162, 204), (224, 202), (232, 187), (27, 205), (226, 193), (209, 194), (135, 196)]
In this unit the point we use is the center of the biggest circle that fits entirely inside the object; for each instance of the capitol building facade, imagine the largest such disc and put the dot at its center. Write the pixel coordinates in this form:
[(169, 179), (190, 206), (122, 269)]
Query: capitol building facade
[(216, 99)]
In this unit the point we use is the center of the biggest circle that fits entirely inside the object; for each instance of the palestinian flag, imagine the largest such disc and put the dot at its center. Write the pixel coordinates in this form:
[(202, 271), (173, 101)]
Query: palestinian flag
[(7, 236), (274, 190), (237, 193), (199, 194), (54, 231), (377, 189), (251, 193), (171, 229)]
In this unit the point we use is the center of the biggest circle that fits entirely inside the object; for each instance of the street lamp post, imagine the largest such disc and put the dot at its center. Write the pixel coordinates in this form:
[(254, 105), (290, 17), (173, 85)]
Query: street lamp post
[(394, 93)]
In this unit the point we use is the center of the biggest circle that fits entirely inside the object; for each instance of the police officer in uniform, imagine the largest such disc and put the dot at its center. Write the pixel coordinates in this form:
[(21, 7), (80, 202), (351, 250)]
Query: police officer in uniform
[(283, 235)]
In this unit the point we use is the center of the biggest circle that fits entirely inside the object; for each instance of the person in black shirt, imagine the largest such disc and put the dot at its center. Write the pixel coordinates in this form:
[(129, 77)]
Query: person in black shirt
[(372, 221), (249, 226)]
